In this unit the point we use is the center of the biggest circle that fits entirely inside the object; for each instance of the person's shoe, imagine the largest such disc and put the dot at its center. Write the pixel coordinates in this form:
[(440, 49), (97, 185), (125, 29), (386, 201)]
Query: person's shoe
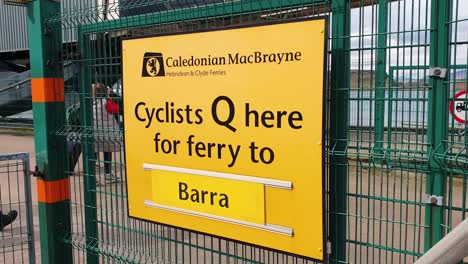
[(111, 178), (8, 219)]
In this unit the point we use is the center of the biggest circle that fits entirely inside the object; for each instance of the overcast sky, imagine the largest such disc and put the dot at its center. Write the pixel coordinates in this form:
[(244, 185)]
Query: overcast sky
[(412, 19)]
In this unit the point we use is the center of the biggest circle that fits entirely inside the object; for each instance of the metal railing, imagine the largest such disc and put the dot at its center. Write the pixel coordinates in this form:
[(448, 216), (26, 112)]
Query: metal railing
[(16, 239), (451, 249)]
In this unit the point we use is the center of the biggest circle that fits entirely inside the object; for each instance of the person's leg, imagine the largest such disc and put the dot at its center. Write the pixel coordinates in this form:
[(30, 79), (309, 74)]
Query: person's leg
[(107, 162), (71, 166), (110, 177), (96, 156), (7, 219), (74, 152)]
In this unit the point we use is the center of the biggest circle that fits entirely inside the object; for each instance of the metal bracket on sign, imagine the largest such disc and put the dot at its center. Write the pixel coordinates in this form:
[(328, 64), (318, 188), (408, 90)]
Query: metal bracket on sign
[(434, 200), (438, 72)]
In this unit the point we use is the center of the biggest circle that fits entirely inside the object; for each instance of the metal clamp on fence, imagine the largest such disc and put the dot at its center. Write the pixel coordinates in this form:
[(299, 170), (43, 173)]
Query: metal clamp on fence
[(438, 72), (434, 200), (37, 172)]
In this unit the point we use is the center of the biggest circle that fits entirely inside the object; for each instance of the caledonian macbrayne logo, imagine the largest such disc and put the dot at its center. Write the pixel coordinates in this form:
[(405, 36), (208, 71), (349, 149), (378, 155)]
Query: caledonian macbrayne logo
[(153, 65)]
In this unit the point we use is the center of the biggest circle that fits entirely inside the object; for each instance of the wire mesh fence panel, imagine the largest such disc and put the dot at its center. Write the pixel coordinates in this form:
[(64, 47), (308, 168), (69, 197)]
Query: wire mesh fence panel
[(388, 149), (388, 140), (16, 224), (455, 161)]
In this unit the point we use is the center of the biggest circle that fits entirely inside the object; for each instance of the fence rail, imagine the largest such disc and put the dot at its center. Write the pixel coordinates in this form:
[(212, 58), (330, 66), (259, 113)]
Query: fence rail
[(451, 249)]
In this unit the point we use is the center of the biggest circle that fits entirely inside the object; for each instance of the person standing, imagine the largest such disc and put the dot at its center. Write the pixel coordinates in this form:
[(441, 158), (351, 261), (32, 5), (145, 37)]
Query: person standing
[(105, 126)]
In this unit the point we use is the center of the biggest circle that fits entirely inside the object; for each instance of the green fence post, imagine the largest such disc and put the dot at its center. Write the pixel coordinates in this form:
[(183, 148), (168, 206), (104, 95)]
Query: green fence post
[(89, 165), (380, 84), (47, 87), (339, 101), (438, 118)]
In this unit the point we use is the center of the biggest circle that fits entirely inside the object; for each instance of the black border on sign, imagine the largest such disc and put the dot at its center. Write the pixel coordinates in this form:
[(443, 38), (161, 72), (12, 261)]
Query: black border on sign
[(324, 130)]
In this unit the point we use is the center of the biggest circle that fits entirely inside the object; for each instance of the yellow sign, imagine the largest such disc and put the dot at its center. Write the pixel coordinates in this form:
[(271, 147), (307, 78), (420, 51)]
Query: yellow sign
[(224, 132), (230, 200)]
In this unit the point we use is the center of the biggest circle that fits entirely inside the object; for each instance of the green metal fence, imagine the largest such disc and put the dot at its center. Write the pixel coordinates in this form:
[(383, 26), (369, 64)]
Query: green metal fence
[(390, 137)]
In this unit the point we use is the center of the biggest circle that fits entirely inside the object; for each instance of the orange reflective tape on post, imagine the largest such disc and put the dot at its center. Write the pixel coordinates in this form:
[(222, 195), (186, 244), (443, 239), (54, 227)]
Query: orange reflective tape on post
[(53, 191), (47, 90)]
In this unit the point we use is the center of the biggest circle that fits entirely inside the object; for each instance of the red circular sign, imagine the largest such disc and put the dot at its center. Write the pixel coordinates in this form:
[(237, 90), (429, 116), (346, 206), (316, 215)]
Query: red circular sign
[(458, 108)]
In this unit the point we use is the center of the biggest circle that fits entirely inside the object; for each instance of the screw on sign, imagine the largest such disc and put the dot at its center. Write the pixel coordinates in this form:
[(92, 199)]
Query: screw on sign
[(459, 107)]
